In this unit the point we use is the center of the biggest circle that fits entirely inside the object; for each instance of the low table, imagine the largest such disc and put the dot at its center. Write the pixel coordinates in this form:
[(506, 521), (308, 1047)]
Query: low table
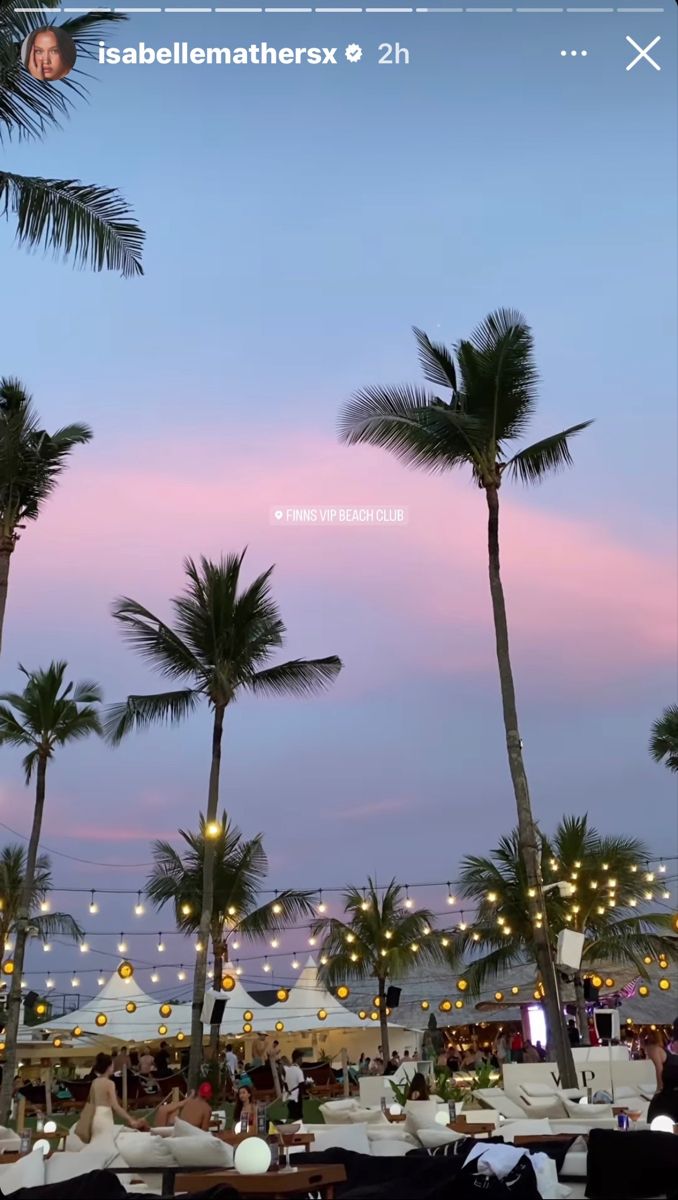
[(283, 1139), (471, 1128), (278, 1184)]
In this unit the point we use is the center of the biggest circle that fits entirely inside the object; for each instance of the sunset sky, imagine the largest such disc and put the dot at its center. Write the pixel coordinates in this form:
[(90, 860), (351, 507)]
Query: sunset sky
[(299, 223)]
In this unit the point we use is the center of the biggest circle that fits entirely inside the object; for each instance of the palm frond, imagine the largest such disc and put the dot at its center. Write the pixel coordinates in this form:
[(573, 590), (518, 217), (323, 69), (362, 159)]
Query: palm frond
[(299, 677), (91, 225), (545, 457), (139, 712), (57, 924), (436, 361), (664, 738), (156, 641)]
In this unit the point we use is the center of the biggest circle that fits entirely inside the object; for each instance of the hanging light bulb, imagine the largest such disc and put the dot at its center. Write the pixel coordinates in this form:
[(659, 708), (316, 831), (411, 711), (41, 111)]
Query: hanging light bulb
[(236, 945), (649, 878), (238, 970), (49, 983), (155, 978), (161, 944), (212, 829), (277, 907), (44, 906), (666, 895), (122, 945), (93, 906), (75, 982), (274, 943), (198, 946), (46, 947), (266, 966), (450, 897), (323, 960), (295, 963), (84, 947), (181, 974), (365, 904), (322, 907), (312, 941), (232, 910), (101, 981), (138, 907), (633, 903), (409, 903), (186, 909), (662, 869)]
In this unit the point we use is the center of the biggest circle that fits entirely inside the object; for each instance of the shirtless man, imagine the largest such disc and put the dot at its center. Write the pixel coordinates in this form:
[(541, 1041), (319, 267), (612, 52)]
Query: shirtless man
[(195, 1110)]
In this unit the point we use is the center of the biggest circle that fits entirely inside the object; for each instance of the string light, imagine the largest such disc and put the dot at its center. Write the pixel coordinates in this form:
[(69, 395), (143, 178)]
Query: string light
[(212, 829), (322, 907), (93, 906), (46, 947), (662, 868), (161, 944), (312, 941), (84, 947), (450, 897), (186, 910), (181, 974), (274, 943), (138, 907), (236, 944), (75, 982), (409, 903), (44, 906), (122, 945), (49, 983), (266, 965), (100, 981), (199, 946), (155, 978)]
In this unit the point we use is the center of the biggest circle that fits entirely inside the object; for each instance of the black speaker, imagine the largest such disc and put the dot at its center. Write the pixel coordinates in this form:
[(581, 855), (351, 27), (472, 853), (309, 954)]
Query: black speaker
[(590, 992), (393, 997), (30, 1000), (213, 1010), (605, 1025)]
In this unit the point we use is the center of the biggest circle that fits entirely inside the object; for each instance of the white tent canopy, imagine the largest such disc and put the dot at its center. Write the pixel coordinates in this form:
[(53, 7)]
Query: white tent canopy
[(307, 998), (144, 1023)]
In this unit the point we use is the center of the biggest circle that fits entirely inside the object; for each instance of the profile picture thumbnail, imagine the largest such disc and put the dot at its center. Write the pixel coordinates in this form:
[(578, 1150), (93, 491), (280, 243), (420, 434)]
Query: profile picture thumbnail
[(49, 53)]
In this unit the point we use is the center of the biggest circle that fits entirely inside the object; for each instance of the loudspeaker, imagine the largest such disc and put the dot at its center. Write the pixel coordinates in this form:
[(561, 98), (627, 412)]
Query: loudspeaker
[(570, 949), (590, 992), (30, 999), (606, 1021), (213, 1009), (393, 997)]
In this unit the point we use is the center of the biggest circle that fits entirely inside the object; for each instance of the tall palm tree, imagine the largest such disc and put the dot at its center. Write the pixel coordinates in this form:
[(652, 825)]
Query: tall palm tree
[(31, 462), (664, 739), (379, 938), (48, 714), (611, 881), (91, 225), (240, 868), (220, 647), (12, 877), (492, 398)]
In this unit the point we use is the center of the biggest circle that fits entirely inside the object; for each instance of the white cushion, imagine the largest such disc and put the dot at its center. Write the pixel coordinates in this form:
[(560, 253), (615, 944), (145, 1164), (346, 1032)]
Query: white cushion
[(338, 1112), (185, 1129), (421, 1114), (538, 1089), (625, 1093), (67, 1166), (26, 1172), (340, 1137), (201, 1152), (144, 1150), (498, 1100), (587, 1112), (367, 1116), (511, 1129), (430, 1139), (390, 1133), (390, 1148)]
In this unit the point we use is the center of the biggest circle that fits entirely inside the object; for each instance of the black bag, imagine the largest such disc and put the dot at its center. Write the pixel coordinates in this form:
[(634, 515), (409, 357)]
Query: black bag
[(519, 1184)]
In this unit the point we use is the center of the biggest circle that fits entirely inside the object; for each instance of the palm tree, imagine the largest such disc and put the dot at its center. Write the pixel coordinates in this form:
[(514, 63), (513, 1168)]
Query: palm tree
[(91, 225), (381, 939), (492, 397), (47, 715), (12, 877), (240, 868), (664, 739), (31, 462), (611, 882), (219, 648)]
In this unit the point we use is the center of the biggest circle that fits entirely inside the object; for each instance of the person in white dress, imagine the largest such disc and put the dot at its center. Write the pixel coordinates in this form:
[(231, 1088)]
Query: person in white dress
[(105, 1100)]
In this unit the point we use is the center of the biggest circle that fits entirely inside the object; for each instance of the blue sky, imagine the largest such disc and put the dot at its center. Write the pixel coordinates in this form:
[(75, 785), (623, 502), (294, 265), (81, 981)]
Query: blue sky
[(300, 220)]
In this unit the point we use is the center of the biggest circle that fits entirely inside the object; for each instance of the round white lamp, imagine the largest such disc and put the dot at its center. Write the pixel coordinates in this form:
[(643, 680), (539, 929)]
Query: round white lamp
[(42, 1146), (252, 1157), (662, 1125), (395, 1109), (443, 1117), (50, 1127)]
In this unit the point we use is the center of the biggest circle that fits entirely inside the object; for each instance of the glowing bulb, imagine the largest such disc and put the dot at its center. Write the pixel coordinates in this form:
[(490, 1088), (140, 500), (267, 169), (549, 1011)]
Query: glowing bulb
[(212, 829), (322, 907), (238, 970), (198, 946), (93, 906), (181, 974), (101, 981), (236, 945), (155, 978), (649, 878), (492, 897), (388, 934), (414, 947), (274, 943), (364, 906), (49, 983), (350, 937), (138, 907), (444, 941), (662, 869), (186, 910), (75, 982), (46, 947), (232, 910), (666, 895), (277, 908), (122, 945), (161, 944), (295, 964), (323, 960), (84, 947), (633, 903), (409, 903), (463, 926), (312, 941), (266, 966), (44, 906)]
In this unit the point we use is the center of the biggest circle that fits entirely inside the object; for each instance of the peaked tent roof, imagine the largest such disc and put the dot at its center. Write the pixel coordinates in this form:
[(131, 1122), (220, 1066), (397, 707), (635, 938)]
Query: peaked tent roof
[(307, 998), (142, 1025), (238, 1002)]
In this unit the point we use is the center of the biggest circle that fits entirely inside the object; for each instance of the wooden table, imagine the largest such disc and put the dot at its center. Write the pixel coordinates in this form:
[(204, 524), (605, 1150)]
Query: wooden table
[(395, 1118), (470, 1128), (277, 1185), (283, 1139)]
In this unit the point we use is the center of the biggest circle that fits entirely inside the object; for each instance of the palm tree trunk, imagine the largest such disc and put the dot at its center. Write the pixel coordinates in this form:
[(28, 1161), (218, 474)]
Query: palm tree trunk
[(582, 1015), (218, 955), (22, 927), (200, 971), (527, 831), (383, 1021), (6, 549)]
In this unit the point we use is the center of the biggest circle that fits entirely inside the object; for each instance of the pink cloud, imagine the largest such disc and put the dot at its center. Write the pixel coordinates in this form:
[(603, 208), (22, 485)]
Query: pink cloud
[(391, 599)]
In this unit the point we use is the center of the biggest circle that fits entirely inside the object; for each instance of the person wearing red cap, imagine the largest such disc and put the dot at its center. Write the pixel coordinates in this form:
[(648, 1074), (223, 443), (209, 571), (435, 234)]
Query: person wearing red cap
[(195, 1110)]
